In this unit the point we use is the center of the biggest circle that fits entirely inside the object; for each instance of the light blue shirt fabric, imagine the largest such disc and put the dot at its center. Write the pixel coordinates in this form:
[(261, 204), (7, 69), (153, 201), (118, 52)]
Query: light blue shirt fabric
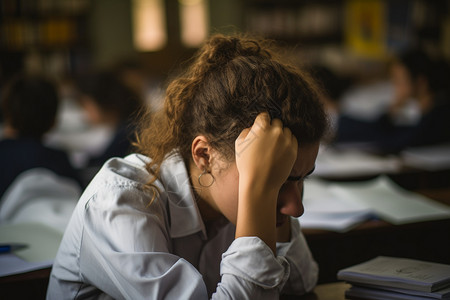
[(119, 246)]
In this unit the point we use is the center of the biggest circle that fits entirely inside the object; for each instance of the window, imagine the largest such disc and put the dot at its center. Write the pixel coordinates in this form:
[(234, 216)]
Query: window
[(149, 22), (194, 23)]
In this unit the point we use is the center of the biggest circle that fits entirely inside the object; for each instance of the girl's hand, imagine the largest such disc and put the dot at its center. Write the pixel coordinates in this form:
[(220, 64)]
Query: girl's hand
[(265, 155)]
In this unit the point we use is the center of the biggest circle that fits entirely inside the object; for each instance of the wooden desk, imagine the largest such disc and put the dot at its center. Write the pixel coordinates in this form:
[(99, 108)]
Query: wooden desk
[(329, 291), (30, 285), (409, 178)]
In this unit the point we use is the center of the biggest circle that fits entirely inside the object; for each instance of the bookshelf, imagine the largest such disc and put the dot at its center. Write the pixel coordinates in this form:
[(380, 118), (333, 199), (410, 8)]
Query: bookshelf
[(43, 36), (352, 34), (324, 21), (306, 22)]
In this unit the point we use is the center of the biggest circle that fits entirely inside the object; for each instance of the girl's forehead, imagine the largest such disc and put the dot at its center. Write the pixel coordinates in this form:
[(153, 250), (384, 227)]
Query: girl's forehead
[(306, 158)]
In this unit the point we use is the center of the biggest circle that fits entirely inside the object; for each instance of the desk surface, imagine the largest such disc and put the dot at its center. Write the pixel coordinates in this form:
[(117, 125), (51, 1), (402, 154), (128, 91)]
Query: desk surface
[(329, 291)]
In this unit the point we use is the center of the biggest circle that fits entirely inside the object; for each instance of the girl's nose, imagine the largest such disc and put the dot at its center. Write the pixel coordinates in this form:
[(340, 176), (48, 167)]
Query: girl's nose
[(290, 199)]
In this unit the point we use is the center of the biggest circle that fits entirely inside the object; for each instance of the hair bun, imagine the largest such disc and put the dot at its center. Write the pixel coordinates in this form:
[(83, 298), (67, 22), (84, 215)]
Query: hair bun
[(221, 49)]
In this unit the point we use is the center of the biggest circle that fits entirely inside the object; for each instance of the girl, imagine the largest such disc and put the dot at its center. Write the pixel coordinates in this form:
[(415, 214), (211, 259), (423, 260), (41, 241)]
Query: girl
[(208, 207)]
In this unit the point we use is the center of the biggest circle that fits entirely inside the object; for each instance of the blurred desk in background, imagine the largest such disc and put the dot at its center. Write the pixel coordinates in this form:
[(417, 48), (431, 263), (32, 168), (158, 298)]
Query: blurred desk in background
[(413, 169), (429, 241), (25, 272), (30, 285), (419, 180)]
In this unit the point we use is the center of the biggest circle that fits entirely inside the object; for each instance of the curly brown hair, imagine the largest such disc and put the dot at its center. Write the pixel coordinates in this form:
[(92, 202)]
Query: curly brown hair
[(230, 81)]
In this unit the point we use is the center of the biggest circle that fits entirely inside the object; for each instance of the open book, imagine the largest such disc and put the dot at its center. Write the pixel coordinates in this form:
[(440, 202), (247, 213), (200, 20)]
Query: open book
[(339, 206), (401, 273)]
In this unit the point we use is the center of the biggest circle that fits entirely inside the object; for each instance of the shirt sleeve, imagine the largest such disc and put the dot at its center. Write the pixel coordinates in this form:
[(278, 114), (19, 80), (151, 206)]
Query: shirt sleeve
[(125, 250), (249, 267), (304, 270)]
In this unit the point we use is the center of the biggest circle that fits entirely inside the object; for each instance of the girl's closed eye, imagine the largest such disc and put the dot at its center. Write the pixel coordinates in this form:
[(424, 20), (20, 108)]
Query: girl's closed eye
[(301, 178)]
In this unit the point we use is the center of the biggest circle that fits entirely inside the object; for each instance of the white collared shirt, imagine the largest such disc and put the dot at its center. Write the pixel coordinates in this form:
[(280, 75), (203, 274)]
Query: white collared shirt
[(118, 245)]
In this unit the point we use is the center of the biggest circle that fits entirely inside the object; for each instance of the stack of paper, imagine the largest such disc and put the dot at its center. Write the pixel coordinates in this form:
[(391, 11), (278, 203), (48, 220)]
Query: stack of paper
[(341, 206), (388, 278)]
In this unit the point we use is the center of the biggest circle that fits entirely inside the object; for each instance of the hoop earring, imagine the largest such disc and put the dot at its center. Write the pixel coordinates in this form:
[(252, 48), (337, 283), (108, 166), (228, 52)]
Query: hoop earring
[(200, 179)]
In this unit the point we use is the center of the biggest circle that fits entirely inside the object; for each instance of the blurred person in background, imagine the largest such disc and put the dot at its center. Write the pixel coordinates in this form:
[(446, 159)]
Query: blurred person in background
[(107, 101), (418, 115), (29, 106), (149, 86), (333, 87)]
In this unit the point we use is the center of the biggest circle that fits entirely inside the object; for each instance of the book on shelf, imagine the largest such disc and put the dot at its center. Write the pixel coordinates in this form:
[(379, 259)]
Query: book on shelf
[(397, 278)]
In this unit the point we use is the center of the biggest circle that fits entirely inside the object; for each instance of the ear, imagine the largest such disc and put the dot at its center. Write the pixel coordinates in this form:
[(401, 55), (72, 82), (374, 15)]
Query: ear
[(201, 152)]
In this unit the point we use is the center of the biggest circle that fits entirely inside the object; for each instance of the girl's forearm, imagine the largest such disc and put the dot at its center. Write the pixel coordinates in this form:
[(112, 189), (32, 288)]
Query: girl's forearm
[(257, 215)]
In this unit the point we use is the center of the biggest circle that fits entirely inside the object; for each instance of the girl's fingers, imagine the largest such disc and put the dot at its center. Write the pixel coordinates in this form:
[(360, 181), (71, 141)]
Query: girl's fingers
[(287, 133), (262, 120), (243, 134), (277, 123)]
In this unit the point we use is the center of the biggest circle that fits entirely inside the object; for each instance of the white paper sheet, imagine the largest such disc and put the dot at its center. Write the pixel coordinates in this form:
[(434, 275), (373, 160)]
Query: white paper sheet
[(324, 210)]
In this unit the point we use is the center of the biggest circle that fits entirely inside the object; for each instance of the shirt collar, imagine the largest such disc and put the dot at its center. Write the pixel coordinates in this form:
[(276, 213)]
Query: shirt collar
[(185, 216)]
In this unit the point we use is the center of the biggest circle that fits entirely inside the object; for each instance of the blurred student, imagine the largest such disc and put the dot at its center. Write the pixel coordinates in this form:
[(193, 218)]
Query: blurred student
[(107, 101), (209, 207), (333, 86), (29, 107), (416, 78), (134, 75)]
